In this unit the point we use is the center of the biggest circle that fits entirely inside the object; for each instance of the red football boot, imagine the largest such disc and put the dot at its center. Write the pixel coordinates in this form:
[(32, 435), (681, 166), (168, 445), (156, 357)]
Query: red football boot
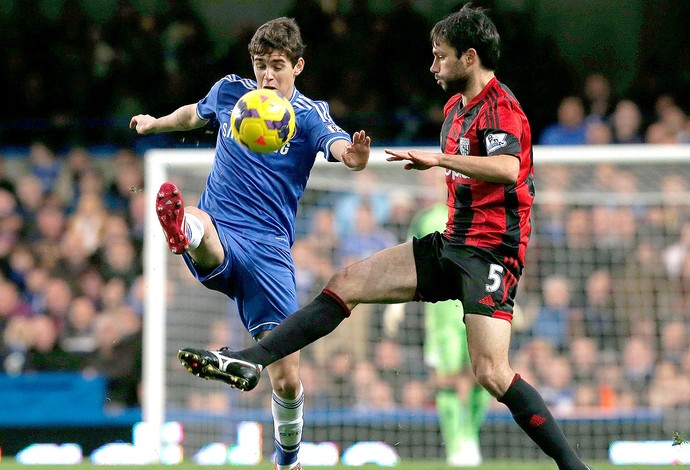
[(170, 211)]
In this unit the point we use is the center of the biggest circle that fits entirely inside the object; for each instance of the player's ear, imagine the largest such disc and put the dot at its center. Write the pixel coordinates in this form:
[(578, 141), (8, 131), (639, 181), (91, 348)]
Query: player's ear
[(299, 66), (470, 56)]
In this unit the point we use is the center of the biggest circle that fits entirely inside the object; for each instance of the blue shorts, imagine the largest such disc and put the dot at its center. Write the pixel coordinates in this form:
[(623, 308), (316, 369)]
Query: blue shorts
[(259, 276)]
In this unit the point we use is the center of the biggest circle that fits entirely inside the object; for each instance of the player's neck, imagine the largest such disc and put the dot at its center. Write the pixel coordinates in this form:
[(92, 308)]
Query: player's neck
[(476, 84)]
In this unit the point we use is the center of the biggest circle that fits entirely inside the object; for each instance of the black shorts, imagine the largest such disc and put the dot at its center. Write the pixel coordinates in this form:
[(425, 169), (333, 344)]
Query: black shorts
[(481, 279)]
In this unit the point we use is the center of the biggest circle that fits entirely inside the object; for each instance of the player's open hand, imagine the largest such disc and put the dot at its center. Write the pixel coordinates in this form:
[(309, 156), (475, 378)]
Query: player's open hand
[(416, 159), (143, 123), (356, 155)]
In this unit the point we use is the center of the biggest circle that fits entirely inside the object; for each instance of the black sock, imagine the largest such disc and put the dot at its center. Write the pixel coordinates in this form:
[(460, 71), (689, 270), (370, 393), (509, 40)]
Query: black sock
[(319, 318), (530, 412)]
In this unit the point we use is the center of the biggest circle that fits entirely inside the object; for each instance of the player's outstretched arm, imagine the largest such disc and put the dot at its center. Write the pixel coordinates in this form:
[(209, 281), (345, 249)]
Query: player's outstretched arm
[(502, 169), (354, 155), (182, 119)]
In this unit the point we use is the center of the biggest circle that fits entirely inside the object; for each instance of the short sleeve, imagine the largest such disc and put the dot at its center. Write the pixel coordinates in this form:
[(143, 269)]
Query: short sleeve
[(207, 107), (324, 131), (503, 131)]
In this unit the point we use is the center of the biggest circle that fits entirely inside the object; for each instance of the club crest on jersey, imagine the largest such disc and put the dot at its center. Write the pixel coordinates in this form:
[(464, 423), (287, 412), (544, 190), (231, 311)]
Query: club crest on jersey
[(495, 142), (464, 146)]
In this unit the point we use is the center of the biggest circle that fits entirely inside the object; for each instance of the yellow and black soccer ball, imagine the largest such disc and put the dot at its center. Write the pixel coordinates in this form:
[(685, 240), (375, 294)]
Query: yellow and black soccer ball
[(263, 120)]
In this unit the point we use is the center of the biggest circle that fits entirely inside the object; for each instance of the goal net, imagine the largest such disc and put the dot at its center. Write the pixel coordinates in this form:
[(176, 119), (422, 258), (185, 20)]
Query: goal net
[(601, 326)]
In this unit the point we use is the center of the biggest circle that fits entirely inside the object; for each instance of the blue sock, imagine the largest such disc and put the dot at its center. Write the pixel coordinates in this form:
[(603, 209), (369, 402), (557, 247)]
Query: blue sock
[(287, 423)]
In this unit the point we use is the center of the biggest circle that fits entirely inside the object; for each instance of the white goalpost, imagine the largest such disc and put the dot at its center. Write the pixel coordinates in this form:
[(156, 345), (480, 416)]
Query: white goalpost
[(608, 226)]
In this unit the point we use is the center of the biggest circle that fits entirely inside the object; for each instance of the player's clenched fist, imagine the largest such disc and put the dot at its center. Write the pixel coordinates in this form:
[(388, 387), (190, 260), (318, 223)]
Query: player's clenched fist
[(143, 123)]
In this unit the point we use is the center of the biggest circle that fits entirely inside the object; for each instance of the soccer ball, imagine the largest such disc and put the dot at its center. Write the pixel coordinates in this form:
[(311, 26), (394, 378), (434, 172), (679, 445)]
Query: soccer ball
[(263, 120)]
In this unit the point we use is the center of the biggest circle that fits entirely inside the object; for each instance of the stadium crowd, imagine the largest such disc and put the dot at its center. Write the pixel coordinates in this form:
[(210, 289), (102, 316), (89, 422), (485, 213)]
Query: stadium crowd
[(604, 316), (148, 58)]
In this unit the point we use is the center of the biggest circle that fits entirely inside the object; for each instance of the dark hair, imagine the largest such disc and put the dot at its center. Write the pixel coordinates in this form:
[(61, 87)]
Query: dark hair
[(470, 28), (280, 34)]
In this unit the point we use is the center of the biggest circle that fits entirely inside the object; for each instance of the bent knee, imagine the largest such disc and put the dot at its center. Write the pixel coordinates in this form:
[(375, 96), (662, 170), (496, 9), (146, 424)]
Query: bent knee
[(285, 381), (495, 380)]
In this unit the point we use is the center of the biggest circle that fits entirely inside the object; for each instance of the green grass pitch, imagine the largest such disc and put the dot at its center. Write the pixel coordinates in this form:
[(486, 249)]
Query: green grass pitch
[(10, 464)]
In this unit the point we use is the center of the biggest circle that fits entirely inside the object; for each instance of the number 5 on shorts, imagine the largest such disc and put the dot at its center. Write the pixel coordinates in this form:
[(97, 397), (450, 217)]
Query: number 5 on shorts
[(495, 276)]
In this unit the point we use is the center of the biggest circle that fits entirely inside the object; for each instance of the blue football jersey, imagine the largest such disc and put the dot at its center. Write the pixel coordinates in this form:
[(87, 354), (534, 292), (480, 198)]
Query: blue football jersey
[(256, 195)]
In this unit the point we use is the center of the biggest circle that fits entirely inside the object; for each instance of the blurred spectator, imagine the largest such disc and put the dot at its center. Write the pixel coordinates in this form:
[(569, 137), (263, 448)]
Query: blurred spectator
[(11, 304), (6, 181), (44, 165), (598, 133), (664, 388), (340, 383), (537, 352), (30, 198), (557, 389), (312, 271), (675, 254), (598, 316), (129, 180), (370, 391), (586, 398), (118, 356), (416, 395), (639, 286), (574, 259), (90, 283), (681, 303), (396, 365), (322, 236), (312, 380), (401, 212), (627, 123), (611, 385), (50, 226), (45, 353), (91, 181), (57, 297), (136, 219), (598, 97), (554, 317), (78, 161), (675, 212), (120, 260), (366, 238), (113, 294), (614, 235), (36, 280), (88, 222), (657, 133), (552, 214), (115, 228), (136, 296), (674, 343), (366, 190), (570, 128), (21, 261), (78, 334), (74, 257), (380, 397), (11, 224), (584, 358), (638, 365), (673, 119), (17, 337)]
